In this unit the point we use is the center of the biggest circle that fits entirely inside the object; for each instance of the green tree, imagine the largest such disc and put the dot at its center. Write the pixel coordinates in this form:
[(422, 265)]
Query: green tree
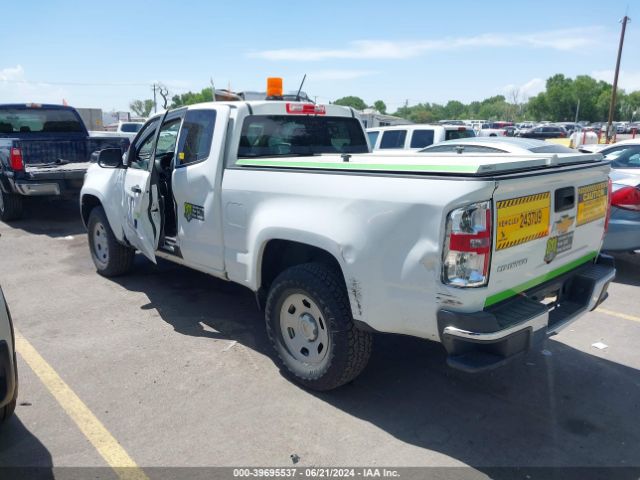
[(351, 101), (189, 98), (141, 107), (380, 106), (454, 109)]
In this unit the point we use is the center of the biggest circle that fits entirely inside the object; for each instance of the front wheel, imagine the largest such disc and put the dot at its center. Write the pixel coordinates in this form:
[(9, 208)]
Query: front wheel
[(10, 206), (110, 257), (309, 323)]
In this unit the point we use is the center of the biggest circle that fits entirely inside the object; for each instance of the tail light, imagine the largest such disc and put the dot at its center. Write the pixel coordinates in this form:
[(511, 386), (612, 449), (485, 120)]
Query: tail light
[(467, 249), (627, 198), (608, 217), (15, 160)]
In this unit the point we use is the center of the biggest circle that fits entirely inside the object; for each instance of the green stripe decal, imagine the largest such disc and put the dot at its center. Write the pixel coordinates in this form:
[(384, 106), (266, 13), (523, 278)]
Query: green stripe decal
[(395, 167), (498, 297)]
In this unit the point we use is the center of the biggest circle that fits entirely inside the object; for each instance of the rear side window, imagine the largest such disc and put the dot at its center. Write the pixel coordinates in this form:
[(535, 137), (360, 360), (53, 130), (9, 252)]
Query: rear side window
[(393, 139), (274, 135), (628, 157), (196, 136), (421, 138), (39, 120), (373, 136), (456, 134)]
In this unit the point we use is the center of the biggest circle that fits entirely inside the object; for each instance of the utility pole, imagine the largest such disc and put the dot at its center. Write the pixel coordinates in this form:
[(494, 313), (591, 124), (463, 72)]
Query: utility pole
[(155, 103), (213, 90), (612, 105), (577, 111)]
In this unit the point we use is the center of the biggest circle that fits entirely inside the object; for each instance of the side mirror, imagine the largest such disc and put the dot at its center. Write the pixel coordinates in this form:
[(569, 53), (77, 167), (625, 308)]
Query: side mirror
[(108, 158)]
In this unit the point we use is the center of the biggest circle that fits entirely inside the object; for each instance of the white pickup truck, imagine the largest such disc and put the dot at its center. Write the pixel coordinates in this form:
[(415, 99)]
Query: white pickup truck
[(487, 254)]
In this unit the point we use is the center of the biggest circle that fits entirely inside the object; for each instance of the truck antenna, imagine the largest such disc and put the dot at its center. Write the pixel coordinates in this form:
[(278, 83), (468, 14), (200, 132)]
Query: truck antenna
[(300, 89)]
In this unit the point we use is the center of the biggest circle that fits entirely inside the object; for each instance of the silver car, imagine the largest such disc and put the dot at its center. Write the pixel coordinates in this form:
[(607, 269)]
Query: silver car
[(624, 225), (497, 145), (8, 366)]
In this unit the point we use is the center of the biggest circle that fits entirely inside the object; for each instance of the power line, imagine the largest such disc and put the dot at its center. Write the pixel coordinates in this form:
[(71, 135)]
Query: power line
[(87, 84)]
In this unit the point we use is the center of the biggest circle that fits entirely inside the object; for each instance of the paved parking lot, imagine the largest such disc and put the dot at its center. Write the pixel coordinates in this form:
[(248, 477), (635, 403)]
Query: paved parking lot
[(176, 366)]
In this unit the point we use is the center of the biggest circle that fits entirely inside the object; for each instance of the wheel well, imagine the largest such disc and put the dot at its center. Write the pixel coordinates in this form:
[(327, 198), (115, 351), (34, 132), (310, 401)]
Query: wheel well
[(281, 254), (89, 202)]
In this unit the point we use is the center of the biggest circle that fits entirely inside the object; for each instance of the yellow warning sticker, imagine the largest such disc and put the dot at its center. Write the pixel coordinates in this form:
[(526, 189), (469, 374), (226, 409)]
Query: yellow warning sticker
[(522, 219), (592, 202)]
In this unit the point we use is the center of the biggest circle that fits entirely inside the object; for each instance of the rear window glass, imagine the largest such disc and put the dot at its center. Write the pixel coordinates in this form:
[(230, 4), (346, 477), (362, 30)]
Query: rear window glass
[(462, 149), (273, 135), (421, 138), (130, 127), (39, 120), (456, 134), (196, 136), (393, 139), (552, 149), (373, 136)]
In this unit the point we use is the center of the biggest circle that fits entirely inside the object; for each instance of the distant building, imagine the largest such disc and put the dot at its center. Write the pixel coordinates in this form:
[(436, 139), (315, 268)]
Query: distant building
[(372, 118)]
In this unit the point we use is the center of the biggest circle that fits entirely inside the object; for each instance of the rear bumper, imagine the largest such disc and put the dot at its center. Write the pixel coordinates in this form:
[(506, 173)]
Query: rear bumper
[(488, 339), (50, 182), (36, 189)]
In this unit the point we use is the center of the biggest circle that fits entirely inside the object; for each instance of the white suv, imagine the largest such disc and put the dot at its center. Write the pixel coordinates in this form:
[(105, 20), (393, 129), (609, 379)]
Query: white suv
[(415, 137)]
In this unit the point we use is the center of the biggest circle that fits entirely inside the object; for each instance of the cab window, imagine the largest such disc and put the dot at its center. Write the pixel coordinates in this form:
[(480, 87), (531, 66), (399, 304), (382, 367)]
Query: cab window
[(393, 139), (421, 138), (142, 149), (195, 137)]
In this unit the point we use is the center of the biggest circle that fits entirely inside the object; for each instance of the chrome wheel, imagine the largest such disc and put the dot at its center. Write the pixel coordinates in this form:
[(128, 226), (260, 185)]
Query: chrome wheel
[(304, 331), (100, 244)]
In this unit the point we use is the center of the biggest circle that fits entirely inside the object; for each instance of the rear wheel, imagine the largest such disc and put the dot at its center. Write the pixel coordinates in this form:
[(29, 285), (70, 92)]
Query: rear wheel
[(309, 323), (110, 257), (10, 206), (7, 410)]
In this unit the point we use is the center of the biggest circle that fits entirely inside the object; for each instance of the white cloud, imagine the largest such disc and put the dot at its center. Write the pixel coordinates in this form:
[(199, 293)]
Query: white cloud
[(563, 40), (526, 90), (629, 81), (12, 73), (339, 74), (14, 88)]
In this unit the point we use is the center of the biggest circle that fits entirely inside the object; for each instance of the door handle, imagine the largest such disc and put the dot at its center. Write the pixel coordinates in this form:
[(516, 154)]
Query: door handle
[(136, 189)]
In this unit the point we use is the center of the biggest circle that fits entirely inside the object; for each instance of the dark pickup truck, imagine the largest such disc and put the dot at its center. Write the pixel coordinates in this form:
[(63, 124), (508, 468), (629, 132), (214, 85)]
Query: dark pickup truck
[(44, 150)]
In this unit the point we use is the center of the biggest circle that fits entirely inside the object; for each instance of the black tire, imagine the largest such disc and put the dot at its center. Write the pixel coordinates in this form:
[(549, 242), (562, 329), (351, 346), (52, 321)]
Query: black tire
[(10, 206), (7, 410), (117, 259), (348, 350)]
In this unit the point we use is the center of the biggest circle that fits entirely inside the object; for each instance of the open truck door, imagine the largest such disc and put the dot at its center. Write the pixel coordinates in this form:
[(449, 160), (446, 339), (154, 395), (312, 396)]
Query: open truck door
[(152, 151)]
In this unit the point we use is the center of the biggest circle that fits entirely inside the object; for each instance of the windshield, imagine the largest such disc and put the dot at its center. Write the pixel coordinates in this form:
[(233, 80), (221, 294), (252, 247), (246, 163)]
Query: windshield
[(38, 120), (273, 135)]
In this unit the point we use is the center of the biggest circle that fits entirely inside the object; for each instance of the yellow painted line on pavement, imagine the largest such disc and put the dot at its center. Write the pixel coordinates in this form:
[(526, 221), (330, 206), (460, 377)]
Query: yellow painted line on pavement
[(106, 445), (618, 314)]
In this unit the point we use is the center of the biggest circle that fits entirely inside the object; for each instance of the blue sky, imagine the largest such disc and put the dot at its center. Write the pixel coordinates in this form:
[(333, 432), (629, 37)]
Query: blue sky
[(104, 54)]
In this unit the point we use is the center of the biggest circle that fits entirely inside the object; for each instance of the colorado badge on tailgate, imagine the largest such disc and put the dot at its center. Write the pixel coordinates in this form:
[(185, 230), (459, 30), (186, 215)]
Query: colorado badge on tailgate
[(592, 202), (522, 219)]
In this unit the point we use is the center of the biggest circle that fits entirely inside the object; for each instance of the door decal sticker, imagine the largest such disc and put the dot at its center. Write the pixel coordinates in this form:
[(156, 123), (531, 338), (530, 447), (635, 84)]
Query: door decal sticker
[(192, 212)]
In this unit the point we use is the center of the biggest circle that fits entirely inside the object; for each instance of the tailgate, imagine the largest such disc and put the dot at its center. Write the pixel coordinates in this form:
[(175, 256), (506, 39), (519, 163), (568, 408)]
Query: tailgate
[(47, 152), (545, 225)]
